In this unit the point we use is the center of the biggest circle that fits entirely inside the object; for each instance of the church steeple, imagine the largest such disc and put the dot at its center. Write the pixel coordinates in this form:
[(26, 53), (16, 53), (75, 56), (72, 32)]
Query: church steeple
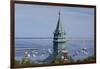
[(59, 37), (59, 28), (59, 25)]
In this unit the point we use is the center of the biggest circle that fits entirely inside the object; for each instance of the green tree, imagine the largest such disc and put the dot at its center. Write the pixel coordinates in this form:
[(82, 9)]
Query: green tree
[(17, 62)]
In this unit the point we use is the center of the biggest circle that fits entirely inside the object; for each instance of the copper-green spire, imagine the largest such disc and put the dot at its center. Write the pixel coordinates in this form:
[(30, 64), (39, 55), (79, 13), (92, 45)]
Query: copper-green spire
[(59, 27), (59, 38)]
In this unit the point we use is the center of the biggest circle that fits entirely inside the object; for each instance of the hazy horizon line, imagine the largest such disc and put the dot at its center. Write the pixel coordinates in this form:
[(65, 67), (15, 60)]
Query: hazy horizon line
[(52, 38)]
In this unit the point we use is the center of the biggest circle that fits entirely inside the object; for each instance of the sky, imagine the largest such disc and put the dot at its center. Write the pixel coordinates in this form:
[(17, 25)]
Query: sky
[(41, 20)]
